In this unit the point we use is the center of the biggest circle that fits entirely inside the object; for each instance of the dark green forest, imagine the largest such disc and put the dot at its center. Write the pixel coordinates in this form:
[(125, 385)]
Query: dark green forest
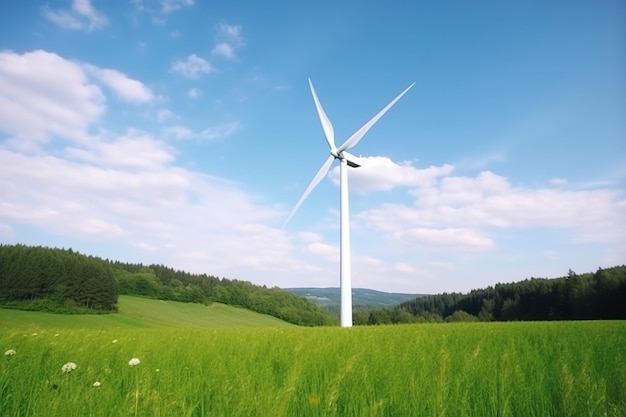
[(65, 281), (37, 278), (589, 296)]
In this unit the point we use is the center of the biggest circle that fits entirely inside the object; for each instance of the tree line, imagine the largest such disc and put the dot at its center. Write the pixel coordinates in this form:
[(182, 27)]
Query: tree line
[(57, 280), (65, 281), (588, 296)]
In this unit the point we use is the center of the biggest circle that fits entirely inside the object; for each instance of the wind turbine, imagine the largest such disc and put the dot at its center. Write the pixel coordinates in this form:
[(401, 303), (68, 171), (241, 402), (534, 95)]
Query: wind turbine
[(346, 160)]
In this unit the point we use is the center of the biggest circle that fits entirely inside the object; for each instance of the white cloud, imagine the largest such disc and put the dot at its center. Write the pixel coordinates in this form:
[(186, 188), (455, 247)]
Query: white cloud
[(323, 250), (134, 149), (379, 173), (310, 237), (225, 50), (140, 199), (231, 33), (192, 67), (466, 212), (82, 15), (123, 86), (229, 40), (457, 238), (43, 95)]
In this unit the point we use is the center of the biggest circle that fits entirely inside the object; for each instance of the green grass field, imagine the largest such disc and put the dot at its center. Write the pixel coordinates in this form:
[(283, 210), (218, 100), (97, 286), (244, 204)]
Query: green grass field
[(136, 312), (468, 369)]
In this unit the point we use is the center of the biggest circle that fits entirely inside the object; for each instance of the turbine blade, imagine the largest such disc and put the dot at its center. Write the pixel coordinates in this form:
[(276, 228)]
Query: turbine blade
[(356, 137), (318, 177), (329, 132)]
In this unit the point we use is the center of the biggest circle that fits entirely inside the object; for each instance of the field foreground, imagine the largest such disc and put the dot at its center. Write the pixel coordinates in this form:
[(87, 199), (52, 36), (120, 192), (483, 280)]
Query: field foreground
[(469, 369)]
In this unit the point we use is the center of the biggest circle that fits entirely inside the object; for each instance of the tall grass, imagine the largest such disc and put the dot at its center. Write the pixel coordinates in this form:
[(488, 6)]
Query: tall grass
[(472, 369)]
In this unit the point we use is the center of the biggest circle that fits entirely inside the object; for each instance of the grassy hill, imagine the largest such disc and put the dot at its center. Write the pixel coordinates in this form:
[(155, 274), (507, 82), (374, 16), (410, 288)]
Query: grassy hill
[(136, 312), (361, 297)]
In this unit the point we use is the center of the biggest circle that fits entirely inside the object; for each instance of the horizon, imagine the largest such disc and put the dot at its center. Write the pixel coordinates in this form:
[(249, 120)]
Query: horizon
[(182, 133)]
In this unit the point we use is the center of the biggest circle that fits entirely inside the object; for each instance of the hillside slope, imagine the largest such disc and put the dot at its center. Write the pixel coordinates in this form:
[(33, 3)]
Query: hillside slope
[(137, 312), (361, 297), (37, 278)]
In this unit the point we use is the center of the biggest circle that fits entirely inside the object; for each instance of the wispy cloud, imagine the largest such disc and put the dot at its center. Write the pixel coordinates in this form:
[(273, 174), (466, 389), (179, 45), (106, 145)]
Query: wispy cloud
[(219, 131), (123, 86), (168, 6), (192, 67), (229, 39), (82, 16), (159, 10)]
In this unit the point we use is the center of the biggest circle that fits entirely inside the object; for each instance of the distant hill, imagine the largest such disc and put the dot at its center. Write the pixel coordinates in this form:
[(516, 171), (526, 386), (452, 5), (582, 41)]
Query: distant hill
[(138, 312), (330, 298), (67, 282)]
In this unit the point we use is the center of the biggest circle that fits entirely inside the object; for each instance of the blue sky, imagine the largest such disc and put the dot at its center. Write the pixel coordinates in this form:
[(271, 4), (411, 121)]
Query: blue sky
[(183, 132)]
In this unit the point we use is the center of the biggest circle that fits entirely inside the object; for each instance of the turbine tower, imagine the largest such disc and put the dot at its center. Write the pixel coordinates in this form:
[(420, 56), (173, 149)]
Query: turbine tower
[(346, 160)]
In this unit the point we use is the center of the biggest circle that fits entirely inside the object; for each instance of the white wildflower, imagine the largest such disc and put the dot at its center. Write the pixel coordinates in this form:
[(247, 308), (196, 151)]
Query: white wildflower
[(10, 352), (134, 361), (97, 384), (68, 367), (114, 340)]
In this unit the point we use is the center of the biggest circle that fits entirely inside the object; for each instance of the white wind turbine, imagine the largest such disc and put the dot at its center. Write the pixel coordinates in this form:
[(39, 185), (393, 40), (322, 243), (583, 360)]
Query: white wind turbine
[(346, 159)]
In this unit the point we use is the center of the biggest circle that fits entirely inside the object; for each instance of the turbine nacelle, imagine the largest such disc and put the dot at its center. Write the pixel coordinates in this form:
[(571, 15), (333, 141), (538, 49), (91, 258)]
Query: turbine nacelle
[(352, 160)]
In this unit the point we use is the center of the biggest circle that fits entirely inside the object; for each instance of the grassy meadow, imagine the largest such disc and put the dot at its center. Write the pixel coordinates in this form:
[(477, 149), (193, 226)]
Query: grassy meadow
[(465, 369), (137, 312)]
